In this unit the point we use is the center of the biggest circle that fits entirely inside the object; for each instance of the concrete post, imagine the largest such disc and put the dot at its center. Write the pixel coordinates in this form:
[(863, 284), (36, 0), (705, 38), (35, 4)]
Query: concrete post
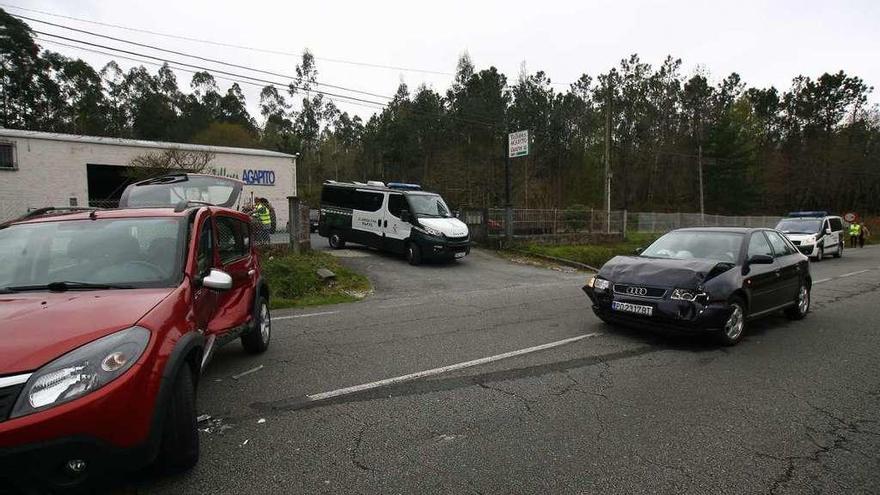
[(293, 203), (508, 224), (624, 224)]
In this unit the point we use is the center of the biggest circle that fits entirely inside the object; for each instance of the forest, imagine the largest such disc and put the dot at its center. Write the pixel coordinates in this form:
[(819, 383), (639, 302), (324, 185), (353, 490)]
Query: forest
[(813, 145)]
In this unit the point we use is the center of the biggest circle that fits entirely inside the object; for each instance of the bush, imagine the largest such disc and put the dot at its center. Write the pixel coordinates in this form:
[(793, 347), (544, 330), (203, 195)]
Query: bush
[(293, 280)]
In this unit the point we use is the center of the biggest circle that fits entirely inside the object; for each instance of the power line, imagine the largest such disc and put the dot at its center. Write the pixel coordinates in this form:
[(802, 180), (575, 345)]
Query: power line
[(252, 80), (207, 69), (204, 59), (230, 45)]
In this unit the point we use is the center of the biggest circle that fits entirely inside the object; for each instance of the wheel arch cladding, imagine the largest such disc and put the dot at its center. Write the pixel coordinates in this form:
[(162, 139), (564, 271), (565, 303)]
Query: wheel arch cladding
[(743, 295), (187, 352)]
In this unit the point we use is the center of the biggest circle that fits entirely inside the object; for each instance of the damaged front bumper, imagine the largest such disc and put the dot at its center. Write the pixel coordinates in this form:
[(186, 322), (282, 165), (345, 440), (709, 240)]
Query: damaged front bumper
[(668, 314)]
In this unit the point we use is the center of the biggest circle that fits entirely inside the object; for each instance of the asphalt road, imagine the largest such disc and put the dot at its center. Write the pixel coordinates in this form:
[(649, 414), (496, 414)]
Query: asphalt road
[(794, 408)]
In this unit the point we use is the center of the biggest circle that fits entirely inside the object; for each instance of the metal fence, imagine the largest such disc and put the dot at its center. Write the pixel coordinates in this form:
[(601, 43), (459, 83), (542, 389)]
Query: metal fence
[(490, 223), (664, 222)]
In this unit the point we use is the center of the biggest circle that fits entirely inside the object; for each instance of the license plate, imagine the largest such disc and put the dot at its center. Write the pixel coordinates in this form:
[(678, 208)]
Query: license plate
[(632, 308), (460, 255)]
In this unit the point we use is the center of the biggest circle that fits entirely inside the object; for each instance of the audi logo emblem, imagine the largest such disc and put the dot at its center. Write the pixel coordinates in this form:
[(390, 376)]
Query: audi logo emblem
[(636, 291)]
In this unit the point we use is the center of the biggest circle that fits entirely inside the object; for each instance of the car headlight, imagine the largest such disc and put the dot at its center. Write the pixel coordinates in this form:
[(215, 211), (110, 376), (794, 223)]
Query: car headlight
[(809, 240), (430, 231), (598, 283), (686, 294), (82, 371)]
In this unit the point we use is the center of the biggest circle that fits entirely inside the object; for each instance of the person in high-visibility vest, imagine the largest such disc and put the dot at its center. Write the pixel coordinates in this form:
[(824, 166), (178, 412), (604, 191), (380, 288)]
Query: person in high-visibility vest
[(264, 219), (854, 231)]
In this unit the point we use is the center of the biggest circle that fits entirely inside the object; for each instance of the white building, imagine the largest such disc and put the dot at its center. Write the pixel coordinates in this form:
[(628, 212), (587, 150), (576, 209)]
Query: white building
[(40, 169)]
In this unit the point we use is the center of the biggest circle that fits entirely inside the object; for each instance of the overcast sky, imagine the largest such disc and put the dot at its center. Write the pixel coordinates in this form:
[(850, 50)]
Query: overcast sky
[(767, 43)]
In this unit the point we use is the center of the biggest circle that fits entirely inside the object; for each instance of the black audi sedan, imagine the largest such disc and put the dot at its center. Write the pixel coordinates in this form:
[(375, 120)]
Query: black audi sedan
[(704, 280)]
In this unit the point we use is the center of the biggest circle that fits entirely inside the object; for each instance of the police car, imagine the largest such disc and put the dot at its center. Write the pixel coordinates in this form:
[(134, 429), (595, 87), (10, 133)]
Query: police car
[(815, 233), (397, 217)]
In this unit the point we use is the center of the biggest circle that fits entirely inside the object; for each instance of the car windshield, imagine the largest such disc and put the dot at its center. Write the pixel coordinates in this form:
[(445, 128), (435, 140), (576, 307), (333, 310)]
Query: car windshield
[(428, 205), (131, 252), (799, 225), (715, 246)]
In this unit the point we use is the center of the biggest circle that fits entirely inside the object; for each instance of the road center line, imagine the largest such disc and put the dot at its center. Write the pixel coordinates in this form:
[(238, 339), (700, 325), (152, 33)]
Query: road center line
[(307, 315), (444, 369), (852, 273)]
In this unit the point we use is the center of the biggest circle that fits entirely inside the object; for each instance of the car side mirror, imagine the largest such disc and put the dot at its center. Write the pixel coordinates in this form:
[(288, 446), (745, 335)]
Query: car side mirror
[(638, 250), (406, 216), (828, 230), (217, 279), (761, 259)]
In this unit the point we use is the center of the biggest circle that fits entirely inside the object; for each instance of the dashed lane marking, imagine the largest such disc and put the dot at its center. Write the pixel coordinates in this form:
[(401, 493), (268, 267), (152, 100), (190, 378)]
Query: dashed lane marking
[(444, 369), (852, 273)]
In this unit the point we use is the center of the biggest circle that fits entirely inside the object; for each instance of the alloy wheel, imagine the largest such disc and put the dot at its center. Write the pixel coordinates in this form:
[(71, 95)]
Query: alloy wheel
[(734, 326), (265, 322), (803, 300)]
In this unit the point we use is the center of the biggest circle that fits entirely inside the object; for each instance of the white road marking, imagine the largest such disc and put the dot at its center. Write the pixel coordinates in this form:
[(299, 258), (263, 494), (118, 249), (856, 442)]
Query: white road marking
[(307, 315), (852, 273), (248, 372), (444, 369), (821, 281)]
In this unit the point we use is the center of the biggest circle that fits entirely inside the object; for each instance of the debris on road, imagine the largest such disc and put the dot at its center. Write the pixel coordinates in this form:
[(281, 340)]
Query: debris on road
[(245, 442), (247, 372), (202, 418), (261, 421), (207, 424)]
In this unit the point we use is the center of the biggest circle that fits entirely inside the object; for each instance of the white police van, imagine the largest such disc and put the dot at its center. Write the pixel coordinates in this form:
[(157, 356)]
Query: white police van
[(400, 218), (815, 233)]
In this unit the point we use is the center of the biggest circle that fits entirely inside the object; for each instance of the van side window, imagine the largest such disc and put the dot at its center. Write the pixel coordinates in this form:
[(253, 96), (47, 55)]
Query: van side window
[(836, 225), (758, 245), (368, 201), (396, 204)]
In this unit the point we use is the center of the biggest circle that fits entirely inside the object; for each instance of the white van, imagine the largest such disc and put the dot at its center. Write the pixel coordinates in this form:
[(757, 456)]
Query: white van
[(815, 233), (400, 218)]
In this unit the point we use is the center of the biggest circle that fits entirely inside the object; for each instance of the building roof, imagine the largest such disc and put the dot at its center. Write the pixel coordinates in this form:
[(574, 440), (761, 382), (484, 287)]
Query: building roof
[(110, 141)]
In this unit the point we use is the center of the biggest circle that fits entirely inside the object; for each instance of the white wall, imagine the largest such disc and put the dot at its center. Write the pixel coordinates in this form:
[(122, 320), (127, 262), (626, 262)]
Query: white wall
[(50, 172)]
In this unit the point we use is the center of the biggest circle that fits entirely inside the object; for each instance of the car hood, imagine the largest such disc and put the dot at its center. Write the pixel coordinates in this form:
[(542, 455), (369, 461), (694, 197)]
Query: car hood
[(451, 227), (659, 272), (38, 327), (801, 237)]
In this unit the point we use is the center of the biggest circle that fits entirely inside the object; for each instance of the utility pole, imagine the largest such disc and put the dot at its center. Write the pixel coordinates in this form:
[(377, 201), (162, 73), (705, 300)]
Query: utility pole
[(700, 167), (508, 204), (608, 155)]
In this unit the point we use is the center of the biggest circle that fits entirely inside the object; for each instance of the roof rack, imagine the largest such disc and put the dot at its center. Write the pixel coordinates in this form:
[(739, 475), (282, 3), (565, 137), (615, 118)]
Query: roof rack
[(51, 210)]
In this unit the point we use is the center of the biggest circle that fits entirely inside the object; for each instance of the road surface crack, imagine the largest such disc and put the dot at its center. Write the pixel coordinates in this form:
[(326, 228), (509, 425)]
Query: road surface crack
[(525, 402)]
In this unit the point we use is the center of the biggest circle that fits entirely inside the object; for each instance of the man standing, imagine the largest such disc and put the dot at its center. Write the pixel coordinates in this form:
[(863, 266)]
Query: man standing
[(854, 230), (264, 220), (863, 234)]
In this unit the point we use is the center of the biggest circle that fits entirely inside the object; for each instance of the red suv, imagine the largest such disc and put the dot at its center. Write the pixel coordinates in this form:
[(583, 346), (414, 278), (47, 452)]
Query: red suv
[(107, 318)]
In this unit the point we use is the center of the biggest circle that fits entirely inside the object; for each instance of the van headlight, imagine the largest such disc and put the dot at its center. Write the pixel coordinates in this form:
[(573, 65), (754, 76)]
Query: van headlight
[(82, 371), (430, 231)]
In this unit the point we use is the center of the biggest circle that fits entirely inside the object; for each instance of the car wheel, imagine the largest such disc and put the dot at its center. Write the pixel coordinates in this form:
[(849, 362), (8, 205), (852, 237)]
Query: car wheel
[(179, 450), (256, 340), (820, 253), (413, 254), (735, 326), (336, 241), (800, 310), (839, 252)]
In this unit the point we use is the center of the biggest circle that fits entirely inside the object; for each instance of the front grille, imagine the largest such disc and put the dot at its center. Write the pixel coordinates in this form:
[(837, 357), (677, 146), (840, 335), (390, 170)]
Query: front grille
[(652, 292), (457, 239), (8, 395)]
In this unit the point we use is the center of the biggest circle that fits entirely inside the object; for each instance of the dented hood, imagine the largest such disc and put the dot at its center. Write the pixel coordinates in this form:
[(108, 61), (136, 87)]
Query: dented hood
[(659, 272)]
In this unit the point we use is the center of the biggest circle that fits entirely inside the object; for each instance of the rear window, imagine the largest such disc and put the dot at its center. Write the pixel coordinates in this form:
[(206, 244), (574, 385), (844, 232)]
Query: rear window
[(169, 191)]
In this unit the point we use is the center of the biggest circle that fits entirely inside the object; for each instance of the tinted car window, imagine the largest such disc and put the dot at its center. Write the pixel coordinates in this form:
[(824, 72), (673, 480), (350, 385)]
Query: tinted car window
[(205, 255), (396, 204), (368, 201), (836, 224), (231, 239), (758, 245), (780, 248)]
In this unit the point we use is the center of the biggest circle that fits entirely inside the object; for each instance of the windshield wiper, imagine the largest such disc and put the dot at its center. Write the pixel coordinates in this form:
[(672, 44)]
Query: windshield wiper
[(68, 285)]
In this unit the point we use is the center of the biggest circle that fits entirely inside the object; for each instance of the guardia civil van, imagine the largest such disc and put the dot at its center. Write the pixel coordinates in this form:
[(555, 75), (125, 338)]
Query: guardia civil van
[(397, 217)]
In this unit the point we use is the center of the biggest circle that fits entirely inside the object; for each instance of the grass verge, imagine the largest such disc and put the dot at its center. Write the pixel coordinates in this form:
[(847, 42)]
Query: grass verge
[(592, 254), (294, 283)]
